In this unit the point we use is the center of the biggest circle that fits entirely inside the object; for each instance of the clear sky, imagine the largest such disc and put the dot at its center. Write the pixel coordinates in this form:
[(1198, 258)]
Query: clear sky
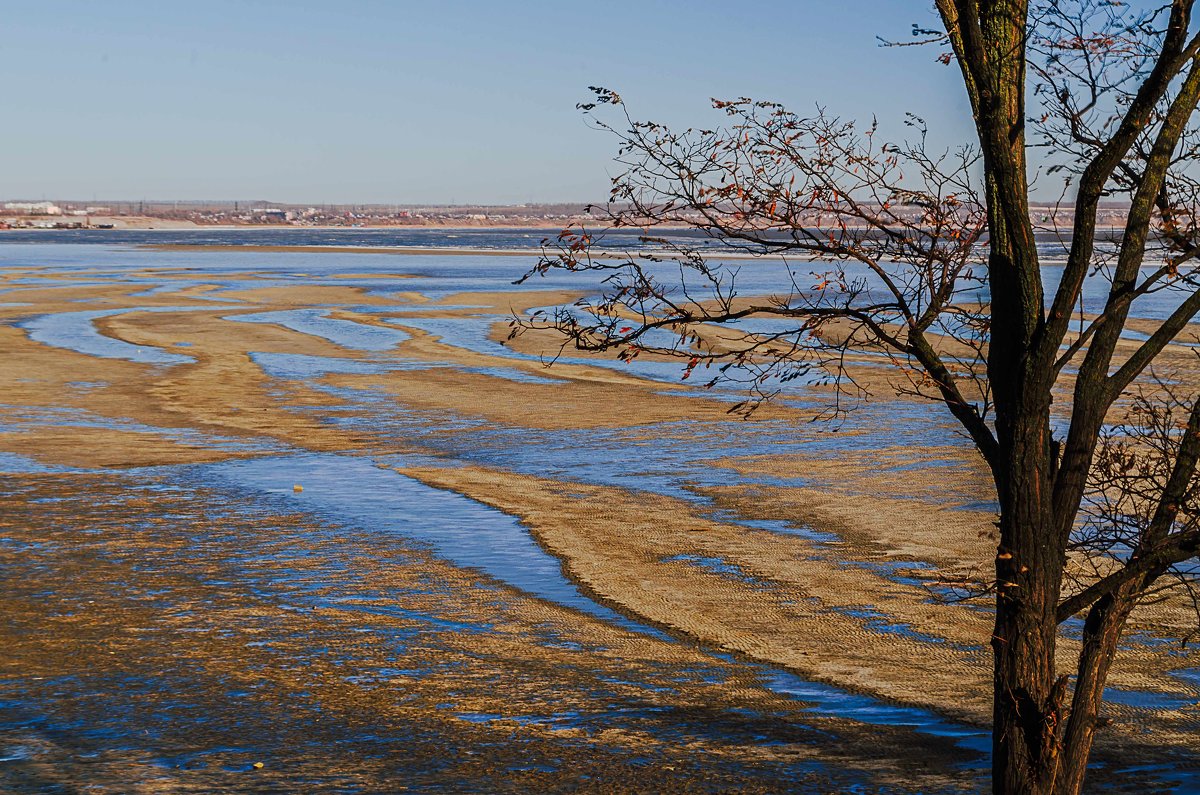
[(409, 102)]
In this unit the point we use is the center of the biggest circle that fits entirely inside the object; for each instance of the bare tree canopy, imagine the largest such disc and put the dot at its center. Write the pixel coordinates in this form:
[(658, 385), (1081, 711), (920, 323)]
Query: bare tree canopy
[(1086, 412)]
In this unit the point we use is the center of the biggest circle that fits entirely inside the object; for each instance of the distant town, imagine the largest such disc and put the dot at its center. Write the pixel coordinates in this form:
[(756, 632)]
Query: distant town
[(179, 214), (185, 214)]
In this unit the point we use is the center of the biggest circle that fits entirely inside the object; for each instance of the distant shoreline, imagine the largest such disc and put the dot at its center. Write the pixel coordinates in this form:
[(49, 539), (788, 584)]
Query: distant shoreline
[(401, 251), (166, 227), (393, 250), (175, 226)]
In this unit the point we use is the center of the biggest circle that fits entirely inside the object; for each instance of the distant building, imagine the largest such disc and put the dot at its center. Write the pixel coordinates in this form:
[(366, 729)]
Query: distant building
[(34, 208)]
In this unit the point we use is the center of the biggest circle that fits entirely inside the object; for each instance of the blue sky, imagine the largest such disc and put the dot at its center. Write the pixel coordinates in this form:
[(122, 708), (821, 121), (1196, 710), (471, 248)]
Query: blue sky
[(410, 102)]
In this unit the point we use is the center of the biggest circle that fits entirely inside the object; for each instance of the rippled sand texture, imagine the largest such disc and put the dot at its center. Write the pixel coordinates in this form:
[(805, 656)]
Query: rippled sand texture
[(299, 520)]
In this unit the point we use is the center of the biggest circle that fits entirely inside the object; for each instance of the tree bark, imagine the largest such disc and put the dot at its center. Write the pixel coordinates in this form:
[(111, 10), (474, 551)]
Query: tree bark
[(1028, 698)]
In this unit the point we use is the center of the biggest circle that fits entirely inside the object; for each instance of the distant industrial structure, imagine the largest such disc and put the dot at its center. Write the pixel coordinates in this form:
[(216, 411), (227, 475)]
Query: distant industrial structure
[(33, 208)]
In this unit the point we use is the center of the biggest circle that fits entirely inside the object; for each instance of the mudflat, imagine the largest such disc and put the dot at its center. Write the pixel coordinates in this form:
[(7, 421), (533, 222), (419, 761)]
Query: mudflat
[(334, 529)]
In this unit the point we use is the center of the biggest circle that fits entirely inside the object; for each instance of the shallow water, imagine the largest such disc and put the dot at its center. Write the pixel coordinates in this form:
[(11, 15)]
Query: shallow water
[(265, 696), (346, 333), (15, 418), (354, 491), (107, 251), (361, 491), (14, 463), (76, 331)]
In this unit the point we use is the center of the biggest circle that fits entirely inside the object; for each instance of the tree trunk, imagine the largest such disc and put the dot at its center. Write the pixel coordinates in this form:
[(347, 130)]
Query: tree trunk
[(1028, 697), (1039, 747)]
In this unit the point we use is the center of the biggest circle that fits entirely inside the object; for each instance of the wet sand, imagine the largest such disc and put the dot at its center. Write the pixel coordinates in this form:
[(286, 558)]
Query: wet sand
[(252, 630)]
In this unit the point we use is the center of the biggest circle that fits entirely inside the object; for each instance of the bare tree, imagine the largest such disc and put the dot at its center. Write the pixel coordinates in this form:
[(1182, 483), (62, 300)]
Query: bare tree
[(939, 270)]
